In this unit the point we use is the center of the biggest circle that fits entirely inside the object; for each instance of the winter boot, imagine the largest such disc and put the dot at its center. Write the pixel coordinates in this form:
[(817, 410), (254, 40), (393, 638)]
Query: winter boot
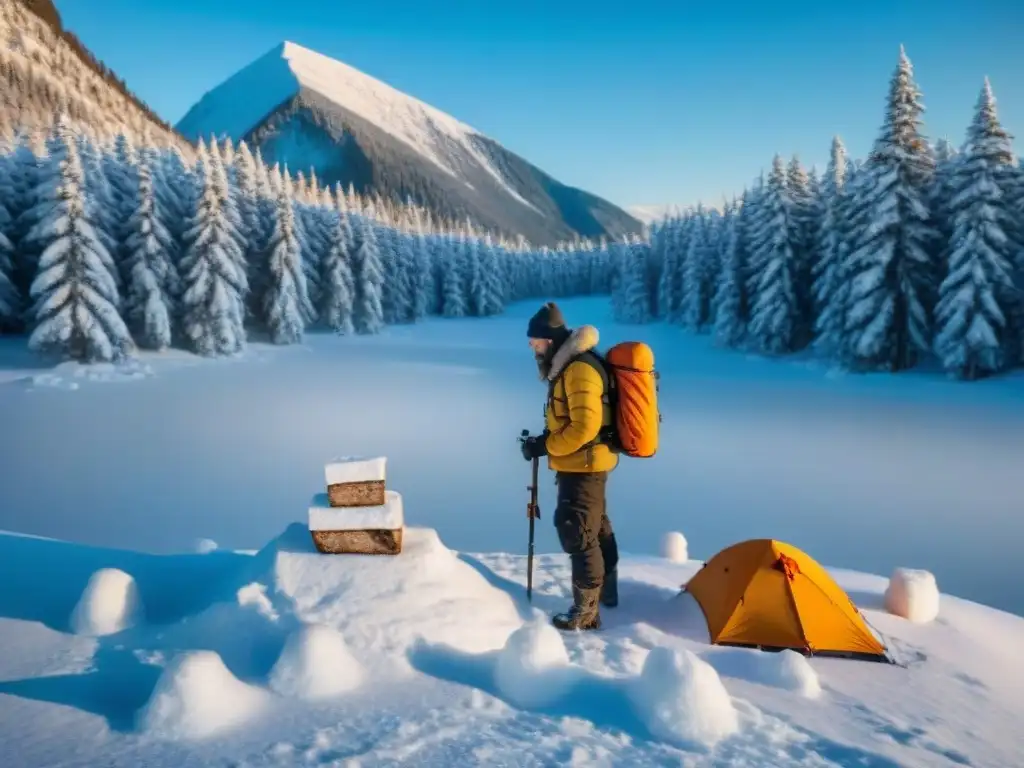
[(610, 589), (584, 613)]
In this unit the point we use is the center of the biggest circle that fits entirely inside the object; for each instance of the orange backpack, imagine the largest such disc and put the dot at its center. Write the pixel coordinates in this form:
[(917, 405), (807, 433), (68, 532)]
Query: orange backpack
[(631, 388)]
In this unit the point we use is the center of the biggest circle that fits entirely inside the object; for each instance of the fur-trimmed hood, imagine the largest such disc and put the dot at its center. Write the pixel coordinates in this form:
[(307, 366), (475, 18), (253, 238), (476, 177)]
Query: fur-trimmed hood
[(583, 339)]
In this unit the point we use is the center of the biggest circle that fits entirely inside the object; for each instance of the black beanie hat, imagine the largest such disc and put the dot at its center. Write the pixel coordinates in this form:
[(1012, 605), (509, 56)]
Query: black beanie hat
[(548, 323)]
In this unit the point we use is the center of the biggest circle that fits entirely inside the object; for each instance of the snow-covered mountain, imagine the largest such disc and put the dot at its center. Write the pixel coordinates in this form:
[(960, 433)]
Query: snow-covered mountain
[(651, 213), (44, 66), (310, 111)]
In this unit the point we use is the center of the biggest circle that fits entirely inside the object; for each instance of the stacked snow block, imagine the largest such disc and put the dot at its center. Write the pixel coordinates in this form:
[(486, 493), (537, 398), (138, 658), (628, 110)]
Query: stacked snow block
[(357, 515)]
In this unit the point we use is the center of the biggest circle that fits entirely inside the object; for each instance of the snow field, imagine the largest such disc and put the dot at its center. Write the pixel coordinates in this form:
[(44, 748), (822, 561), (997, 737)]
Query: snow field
[(273, 664), (109, 604), (682, 700), (674, 547), (912, 594)]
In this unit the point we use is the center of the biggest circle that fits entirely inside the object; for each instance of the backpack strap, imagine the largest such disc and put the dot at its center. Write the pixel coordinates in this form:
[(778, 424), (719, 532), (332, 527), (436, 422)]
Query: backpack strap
[(596, 361)]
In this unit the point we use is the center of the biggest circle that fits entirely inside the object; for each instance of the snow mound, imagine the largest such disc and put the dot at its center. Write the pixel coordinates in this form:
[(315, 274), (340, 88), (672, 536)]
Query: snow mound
[(533, 667), (205, 546), (316, 663), (109, 603), (197, 697), (387, 604), (673, 547), (792, 671), (682, 700), (786, 669), (912, 594)]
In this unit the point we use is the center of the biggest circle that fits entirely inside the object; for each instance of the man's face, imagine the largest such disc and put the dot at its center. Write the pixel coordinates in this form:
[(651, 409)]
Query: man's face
[(540, 347)]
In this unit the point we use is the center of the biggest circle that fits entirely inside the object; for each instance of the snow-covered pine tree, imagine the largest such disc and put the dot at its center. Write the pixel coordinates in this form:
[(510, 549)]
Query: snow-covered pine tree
[(979, 310), (120, 167), (829, 237), (11, 301), (74, 294), (424, 290), (286, 299), (670, 278), (803, 220), (173, 187), (405, 289), (775, 318), (452, 281), (940, 195), (24, 170), (490, 299), (247, 197), (634, 304), (752, 214), (10, 298), (695, 302), (730, 296), (888, 321), (152, 285), (338, 281), (106, 211), (214, 284), (232, 217), (368, 316)]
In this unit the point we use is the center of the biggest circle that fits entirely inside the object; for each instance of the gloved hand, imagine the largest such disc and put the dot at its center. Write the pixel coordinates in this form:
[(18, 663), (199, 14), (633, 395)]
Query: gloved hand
[(534, 447)]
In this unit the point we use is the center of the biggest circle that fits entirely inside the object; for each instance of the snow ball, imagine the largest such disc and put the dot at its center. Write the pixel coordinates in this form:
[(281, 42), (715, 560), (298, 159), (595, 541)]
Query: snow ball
[(109, 603), (912, 594), (792, 671), (196, 697), (682, 700), (316, 663), (205, 546), (673, 547), (533, 668)]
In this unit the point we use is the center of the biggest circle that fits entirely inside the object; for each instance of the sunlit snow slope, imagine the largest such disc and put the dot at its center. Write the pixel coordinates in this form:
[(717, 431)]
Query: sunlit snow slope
[(308, 110)]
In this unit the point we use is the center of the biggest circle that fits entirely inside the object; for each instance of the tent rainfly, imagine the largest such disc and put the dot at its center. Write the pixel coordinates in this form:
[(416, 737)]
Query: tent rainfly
[(769, 595)]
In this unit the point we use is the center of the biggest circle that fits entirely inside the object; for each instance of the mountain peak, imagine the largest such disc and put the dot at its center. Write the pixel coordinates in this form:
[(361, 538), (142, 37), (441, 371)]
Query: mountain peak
[(307, 109)]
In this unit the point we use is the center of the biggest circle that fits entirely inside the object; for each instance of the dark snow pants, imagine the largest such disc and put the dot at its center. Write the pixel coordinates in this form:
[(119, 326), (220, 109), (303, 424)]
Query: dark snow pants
[(584, 530)]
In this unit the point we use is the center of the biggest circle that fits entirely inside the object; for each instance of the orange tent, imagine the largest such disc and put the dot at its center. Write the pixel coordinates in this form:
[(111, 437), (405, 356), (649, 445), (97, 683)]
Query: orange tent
[(767, 594)]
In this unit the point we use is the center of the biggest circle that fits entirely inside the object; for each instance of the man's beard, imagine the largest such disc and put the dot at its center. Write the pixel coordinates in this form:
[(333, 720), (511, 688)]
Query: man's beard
[(543, 360)]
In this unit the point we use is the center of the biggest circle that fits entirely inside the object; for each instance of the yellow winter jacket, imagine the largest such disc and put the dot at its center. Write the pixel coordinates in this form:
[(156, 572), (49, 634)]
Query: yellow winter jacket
[(575, 411)]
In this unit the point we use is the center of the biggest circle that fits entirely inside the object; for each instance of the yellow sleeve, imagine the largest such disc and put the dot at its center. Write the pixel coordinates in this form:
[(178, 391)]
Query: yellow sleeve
[(583, 390)]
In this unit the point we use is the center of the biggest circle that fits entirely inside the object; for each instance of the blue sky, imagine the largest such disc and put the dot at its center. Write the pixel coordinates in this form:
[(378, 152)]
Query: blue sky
[(639, 102)]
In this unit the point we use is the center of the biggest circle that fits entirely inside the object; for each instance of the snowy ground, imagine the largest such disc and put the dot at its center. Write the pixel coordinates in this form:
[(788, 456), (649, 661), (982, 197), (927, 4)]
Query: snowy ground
[(867, 473), (287, 657), (279, 656)]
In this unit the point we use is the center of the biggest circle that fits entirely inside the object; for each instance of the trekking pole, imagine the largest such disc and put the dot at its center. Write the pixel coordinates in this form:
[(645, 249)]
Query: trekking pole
[(533, 513)]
